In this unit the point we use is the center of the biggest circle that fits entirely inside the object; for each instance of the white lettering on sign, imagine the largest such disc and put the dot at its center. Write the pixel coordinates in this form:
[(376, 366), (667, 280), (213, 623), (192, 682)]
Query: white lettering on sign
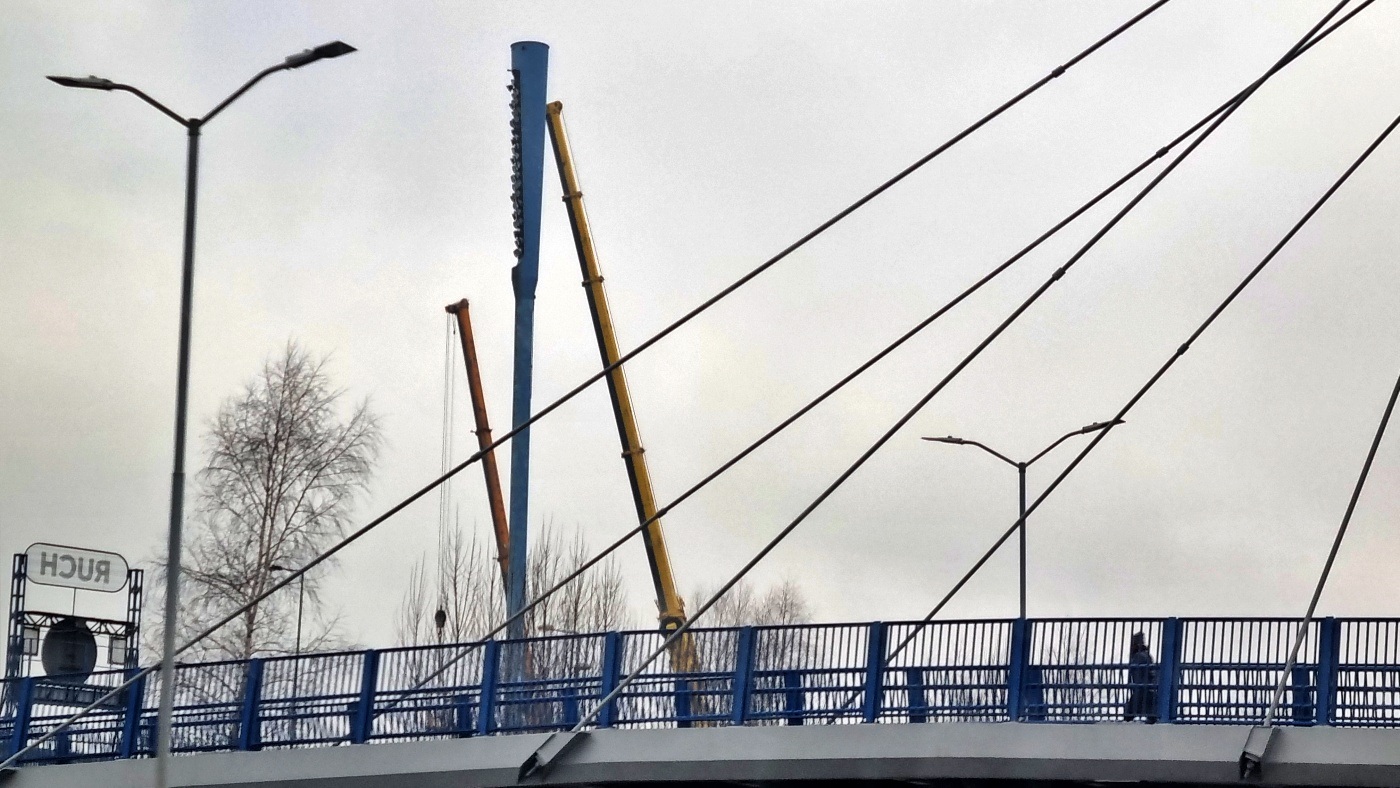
[(74, 567)]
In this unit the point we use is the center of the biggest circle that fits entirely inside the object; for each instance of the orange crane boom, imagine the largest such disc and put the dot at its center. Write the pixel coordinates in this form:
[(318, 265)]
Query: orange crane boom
[(499, 523)]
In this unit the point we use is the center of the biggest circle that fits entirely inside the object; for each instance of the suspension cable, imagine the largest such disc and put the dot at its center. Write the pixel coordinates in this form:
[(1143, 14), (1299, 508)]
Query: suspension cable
[(533, 762), (664, 510), (645, 345), (1331, 556), (1180, 351)]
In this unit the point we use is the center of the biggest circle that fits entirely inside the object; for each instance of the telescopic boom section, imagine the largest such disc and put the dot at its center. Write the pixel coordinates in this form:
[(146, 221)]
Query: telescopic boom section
[(668, 600), (483, 440)]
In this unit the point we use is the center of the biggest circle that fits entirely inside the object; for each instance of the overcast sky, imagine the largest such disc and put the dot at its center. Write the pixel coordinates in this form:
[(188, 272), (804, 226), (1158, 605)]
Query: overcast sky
[(345, 203)]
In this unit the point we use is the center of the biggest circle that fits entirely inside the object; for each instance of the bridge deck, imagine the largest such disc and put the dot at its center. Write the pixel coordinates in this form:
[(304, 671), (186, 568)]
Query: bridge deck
[(1203, 671), (1009, 752)]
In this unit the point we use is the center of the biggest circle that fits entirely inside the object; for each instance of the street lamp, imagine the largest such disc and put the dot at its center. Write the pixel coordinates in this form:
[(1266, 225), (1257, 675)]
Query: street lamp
[(296, 655), (1021, 473), (301, 600), (177, 481)]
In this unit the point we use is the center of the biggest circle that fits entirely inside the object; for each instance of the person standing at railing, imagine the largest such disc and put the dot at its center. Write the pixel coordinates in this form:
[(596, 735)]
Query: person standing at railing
[(1142, 682)]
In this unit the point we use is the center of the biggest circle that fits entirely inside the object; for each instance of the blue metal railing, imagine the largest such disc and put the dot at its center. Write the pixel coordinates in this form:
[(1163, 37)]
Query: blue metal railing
[(1204, 671)]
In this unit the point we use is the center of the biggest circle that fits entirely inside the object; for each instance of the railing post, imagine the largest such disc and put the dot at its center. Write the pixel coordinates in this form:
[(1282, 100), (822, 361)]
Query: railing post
[(363, 726), (918, 701), (612, 676), (463, 723), (1016, 667), (1328, 652), (683, 706), (570, 706), (249, 722), (131, 722), (490, 680), (1304, 700), (24, 706), (743, 676), (1166, 669), (794, 699), (62, 746), (874, 672)]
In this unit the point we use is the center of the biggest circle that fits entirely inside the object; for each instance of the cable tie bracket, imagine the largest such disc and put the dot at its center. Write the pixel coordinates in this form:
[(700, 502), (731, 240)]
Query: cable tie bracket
[(1256, 746), (554, 748), (1057, 72), (637, 452), (593, 280), (1181, 351), (1059, 272), (572, 196)]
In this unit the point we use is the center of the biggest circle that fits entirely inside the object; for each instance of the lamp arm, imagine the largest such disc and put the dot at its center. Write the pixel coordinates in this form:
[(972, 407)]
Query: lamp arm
[(141, 95), (991, 451), (246, 87)]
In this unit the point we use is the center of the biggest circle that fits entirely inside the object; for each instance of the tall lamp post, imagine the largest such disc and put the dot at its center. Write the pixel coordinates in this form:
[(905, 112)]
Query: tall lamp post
[(301, 601), (296, 654), (177, 479), (1021, 473)]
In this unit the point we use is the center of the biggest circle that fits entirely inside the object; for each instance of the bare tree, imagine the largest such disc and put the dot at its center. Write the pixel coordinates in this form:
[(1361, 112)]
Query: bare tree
[(286, 460), (784, 603), (467, 588), (778, 649)]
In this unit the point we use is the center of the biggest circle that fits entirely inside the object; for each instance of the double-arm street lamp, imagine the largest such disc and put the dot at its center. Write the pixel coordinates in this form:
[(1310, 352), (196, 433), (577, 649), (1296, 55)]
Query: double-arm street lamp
[(296, 660), (301, 600), (1021, 472), (177, 483)]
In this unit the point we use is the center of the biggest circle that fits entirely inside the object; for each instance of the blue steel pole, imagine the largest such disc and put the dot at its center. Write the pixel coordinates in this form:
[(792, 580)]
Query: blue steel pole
[(529, 61)]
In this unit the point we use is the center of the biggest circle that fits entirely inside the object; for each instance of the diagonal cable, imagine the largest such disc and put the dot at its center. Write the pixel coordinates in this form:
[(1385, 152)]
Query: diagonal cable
[(1331, 555), (872, 361), (569, 395), (1180, 351), (534, 762)]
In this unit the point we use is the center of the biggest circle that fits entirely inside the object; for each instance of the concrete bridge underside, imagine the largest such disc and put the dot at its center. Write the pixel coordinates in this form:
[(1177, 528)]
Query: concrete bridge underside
[(936, 754)]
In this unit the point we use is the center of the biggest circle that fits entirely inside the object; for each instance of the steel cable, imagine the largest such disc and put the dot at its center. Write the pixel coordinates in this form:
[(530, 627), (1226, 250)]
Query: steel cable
[(730, 463), (648, 343), (622, 685), (1180, 351), (1331, 555)]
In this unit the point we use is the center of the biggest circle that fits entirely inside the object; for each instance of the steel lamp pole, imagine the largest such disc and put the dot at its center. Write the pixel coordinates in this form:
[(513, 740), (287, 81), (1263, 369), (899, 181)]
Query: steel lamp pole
[(177, 480), (1021, 474), (301, 600), (296, 654)]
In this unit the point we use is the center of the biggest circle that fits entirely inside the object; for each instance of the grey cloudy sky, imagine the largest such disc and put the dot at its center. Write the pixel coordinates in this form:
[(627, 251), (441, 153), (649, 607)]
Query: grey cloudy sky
[(344, 204)]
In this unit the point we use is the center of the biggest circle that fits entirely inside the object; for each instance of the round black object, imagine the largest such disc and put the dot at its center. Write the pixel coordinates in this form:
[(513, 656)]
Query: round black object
[(69, 651)]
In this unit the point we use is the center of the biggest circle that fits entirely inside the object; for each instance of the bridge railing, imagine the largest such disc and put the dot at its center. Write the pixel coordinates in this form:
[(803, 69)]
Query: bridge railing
[(1067, 671)]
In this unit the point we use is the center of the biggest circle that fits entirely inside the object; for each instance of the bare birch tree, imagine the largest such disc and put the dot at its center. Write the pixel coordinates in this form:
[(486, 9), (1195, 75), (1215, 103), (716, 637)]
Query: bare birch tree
[(286, 460)]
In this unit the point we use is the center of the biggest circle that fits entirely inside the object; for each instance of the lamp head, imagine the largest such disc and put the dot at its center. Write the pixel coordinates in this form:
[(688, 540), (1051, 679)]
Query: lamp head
[(333, 49), (1099, 425), (94, 83)]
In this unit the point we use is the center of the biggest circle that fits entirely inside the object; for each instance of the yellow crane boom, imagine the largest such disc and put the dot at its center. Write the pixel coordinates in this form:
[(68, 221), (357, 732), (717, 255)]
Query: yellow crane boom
[(670, 605)]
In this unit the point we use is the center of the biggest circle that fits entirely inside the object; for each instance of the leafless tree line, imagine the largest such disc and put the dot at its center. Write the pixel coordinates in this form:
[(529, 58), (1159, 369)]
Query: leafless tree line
[(465, 583)]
